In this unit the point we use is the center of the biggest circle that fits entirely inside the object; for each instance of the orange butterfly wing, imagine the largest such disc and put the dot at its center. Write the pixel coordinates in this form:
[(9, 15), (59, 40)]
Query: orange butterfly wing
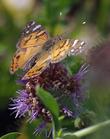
[(17, 60), (65, 47), (21, 57), (32, 37), (60, 50), (39, 66)]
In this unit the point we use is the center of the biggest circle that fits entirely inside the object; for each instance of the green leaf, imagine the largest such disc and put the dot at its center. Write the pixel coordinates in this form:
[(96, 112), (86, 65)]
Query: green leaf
[(12, 135), (49, 101), (51, 104)]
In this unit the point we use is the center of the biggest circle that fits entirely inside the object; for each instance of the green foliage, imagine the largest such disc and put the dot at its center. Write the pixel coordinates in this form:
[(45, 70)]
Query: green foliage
[(13, 135)]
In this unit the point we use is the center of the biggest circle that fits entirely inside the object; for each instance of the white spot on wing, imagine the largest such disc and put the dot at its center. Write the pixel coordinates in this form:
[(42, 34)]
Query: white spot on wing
[(27, 31), (75, 42), (82, 43), (33, 22), (72, 50), (36, 27)]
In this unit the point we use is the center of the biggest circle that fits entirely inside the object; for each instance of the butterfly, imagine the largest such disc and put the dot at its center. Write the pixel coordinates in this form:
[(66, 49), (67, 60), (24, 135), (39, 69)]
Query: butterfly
[(36, 50)]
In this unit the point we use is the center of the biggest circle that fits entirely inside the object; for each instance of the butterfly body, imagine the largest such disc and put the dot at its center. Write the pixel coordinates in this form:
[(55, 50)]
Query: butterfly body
[(35, 50)]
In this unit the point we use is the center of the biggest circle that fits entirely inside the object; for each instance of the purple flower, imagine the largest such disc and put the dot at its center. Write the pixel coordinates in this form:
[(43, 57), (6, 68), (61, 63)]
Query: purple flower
[(67, 112), (68, 91), (26, 103), (39, 129), (20, 105)]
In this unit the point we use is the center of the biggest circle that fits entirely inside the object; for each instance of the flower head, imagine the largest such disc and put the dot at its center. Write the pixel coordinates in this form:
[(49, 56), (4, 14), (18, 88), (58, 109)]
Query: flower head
[(28, 104), (65, 88)]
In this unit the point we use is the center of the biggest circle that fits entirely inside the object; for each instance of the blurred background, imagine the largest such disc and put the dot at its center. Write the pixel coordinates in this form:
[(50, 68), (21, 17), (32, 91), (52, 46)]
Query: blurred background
[(88, 20)]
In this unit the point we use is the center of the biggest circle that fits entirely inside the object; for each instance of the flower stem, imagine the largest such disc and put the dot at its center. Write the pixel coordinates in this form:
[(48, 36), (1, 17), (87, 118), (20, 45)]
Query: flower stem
[(88, 130)]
